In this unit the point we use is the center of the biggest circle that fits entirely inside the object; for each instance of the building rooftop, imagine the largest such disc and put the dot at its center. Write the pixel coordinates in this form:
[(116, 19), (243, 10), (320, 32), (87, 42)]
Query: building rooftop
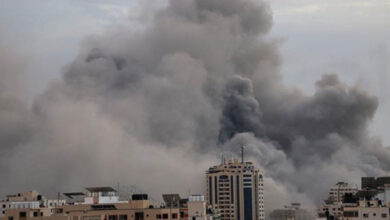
[(100, 189), (70, 195)]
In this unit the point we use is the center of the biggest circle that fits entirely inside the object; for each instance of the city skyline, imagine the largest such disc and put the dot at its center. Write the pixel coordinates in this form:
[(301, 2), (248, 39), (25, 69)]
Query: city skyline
[(139, 92)]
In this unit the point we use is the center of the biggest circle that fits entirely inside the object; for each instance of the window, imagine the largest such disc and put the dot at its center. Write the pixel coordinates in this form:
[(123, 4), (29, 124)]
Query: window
[(384, 215), (112, 217), (22, 214), (123, 217), (4, 206), (139, 216), (165, 216), (10, 218), (365, 215), (174, 215), (35, 214), (158, 216), (351, 214)]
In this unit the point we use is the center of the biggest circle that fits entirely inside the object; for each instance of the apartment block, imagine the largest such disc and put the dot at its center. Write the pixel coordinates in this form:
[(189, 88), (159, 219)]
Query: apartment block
[(236, 190), (338, 191), (101, 203)]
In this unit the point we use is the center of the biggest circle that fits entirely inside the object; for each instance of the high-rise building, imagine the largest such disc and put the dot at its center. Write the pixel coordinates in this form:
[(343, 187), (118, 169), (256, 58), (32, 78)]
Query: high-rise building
[(236, 190)]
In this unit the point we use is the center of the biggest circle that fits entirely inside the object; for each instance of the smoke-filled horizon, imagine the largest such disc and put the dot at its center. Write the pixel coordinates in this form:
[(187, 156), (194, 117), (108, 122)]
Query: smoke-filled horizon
[(155, 108)]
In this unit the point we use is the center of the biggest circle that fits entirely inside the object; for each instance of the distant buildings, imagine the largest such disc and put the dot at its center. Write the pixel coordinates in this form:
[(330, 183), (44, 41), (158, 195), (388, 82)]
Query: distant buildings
[(101, 195), (27, 200), (347, 203), (292, 212), (236, 190), (375, 183), (102, 203), (337, 192)]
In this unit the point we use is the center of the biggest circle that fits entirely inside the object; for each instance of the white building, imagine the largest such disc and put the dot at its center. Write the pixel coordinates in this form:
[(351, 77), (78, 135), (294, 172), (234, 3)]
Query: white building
[(337, 192), (101, 195), (24, 200)]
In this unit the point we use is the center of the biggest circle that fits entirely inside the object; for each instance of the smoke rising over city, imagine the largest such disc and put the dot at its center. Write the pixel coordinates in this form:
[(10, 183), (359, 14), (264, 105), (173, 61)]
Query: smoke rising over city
[(155, 109)]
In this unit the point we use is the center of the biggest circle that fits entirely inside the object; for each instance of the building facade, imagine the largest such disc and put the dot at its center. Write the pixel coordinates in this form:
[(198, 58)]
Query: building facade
[(375, 182), (337, 192), (197, 208), (27, 200), (138, 208), (293, 212), (236, 190)]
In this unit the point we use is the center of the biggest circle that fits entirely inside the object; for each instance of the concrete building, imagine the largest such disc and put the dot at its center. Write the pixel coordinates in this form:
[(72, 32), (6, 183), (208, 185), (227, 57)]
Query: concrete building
[(138, 208), (371, 202), (236, 190), (101, 195), (197, 208), (337, 192), (27, 200), (291, 212), (375, 183), (371, 210)]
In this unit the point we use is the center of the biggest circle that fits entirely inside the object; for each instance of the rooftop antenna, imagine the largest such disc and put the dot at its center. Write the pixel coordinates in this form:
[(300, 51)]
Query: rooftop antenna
[(242, 153)]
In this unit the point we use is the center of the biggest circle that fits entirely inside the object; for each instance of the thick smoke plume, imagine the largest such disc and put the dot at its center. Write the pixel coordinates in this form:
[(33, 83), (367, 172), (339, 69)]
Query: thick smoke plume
[(155, 108)]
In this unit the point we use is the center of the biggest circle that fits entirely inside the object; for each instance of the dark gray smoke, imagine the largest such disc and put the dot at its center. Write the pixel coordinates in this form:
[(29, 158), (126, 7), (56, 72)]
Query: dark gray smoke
[(154, 109)]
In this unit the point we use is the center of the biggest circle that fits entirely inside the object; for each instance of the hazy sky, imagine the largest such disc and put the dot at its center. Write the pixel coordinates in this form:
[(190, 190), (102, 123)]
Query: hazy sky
[(350, 38)]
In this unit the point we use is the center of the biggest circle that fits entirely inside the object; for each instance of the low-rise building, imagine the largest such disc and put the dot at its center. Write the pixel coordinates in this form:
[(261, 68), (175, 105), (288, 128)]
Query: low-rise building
[(197, 208), (102, 204), (291, 212), (24, 200), (101, 195), (371, 210)]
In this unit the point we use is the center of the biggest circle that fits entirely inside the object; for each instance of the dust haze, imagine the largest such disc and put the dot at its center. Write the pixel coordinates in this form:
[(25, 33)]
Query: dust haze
[(155, 108)]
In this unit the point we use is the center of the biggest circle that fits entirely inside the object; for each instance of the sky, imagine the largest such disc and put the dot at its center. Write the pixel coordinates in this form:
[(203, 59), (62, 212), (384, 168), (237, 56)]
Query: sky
[(349, 38)]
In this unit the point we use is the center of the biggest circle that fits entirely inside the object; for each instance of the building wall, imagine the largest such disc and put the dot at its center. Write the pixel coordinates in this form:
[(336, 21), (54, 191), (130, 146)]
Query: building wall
[(31, 195), (366, 213), (89, 212), (197, 208), (337, 192)]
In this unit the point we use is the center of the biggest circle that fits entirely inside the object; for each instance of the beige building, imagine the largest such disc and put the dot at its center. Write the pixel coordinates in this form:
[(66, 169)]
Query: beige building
[(133, 210), (197, 208), (371, 210), (97, 208), (337, 192), (236, 190), (291, 212), (27, 200)]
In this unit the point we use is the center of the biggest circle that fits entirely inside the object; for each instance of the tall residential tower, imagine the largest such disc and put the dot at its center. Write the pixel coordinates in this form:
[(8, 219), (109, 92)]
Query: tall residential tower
[(236, 189)]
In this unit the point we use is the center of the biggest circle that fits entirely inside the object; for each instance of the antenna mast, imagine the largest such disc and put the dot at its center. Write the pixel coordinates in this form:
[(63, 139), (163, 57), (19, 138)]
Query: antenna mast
[(242, 153)]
